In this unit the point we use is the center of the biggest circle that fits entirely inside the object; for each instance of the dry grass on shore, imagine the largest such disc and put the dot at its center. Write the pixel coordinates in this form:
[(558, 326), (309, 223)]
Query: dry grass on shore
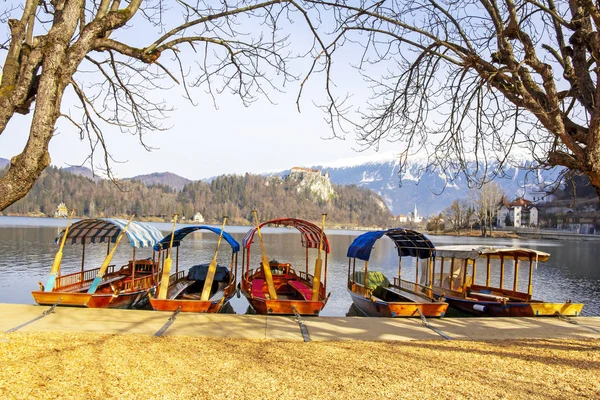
[(86, 366)]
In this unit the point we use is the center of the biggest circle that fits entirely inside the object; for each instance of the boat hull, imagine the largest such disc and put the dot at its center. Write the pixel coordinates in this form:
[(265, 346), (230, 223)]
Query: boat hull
[(132, 299), (286, 307), (397, 309), (514, 309), (197, 306)]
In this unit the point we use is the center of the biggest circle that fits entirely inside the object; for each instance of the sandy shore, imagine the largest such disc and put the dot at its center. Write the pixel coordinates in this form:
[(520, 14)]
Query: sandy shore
[(93, 366)]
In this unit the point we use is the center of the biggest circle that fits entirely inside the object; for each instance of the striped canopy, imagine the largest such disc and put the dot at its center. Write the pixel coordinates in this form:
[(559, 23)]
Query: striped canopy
[(309, 232), (183, 232), (408, 243), (103, 230)]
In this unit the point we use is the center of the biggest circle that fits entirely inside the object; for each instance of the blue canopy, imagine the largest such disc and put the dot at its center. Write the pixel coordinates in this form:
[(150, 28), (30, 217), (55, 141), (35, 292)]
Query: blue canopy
[(408, 243), (183, 232), (102, 230)]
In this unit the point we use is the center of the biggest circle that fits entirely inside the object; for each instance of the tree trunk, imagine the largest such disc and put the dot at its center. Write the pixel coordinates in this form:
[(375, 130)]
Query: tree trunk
[(26, 167)]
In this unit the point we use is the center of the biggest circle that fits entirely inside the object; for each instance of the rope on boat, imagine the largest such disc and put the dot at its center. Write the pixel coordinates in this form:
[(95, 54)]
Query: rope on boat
[(168, 323), (47, 312), (303, 328), (428, 325), (572, 321)]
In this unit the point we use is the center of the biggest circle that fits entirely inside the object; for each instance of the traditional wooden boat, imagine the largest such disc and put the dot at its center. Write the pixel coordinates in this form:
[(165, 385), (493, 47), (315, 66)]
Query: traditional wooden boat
[(288, 291), (371, 291), (185, 288), (106, 286), (455, 272)]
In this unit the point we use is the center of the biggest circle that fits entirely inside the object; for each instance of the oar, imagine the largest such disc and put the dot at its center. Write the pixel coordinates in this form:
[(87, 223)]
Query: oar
[(107, 260), (166, 270), (318, 265), (212, 268), (58, 258), (265, 262)]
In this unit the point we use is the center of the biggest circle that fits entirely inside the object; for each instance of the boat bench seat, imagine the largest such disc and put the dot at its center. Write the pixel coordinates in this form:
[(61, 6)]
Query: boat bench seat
[(86, 286), (257, 291), (488, 296), (304, 290)]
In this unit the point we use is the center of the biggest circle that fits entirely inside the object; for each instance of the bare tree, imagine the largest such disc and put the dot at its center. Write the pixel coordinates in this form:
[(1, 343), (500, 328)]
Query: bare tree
[(458, 214), (486, 202), (79, 47), (469, 82)]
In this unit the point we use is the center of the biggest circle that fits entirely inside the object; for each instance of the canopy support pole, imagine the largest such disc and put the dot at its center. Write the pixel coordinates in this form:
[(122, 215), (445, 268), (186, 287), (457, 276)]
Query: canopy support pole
[(325, 276), (474, 272), (399, 268), (530, 286), (82, 260), (516, 278), (417, 269), (501, 271), (306, 260), (133, 270), (464, 274), (451, 276), (177, 260), (487, 279), (365, 277), (442, 272)]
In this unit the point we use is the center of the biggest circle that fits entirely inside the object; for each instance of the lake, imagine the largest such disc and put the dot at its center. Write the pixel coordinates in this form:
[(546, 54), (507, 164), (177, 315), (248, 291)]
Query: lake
[(27, 250)]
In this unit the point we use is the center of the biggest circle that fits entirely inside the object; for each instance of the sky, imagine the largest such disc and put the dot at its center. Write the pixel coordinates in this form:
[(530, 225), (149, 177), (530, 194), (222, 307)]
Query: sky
[(203, 141)]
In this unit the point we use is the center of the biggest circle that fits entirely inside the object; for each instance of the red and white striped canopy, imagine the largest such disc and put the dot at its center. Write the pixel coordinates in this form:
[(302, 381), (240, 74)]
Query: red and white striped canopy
[(309, 232)]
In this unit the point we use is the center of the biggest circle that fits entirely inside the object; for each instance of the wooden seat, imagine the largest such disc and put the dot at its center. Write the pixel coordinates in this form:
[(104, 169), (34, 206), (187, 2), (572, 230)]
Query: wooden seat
[(257, 285), (304, 290)]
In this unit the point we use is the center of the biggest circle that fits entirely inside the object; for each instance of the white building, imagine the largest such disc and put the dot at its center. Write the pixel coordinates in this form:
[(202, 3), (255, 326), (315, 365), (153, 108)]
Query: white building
[(198, 217), (414, 216), (519, 213)]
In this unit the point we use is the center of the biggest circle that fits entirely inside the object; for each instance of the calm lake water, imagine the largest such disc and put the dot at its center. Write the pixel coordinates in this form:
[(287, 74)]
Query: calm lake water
[(27, 250)]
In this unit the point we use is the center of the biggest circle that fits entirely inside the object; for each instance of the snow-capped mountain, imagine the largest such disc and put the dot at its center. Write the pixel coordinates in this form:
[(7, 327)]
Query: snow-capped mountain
[(428, 191)]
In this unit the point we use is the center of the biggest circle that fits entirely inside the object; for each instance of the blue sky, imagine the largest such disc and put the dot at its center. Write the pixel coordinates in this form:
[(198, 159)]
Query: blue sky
[(204, 141)]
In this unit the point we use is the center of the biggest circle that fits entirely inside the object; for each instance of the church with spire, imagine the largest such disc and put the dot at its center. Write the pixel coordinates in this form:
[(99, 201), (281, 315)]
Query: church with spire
[(414, 216)]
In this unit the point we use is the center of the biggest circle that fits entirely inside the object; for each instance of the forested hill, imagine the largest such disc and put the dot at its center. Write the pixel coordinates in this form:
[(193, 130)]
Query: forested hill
[(232, 195)]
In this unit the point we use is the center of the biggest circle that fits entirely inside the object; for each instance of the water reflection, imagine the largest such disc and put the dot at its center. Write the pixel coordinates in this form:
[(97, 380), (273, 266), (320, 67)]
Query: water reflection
[(27, 249)]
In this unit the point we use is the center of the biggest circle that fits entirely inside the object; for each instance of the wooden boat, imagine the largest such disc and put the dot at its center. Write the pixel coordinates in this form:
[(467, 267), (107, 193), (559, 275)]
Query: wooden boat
[(294, 290), (123, 287), (455, 272), (185, 287), (374, 295)]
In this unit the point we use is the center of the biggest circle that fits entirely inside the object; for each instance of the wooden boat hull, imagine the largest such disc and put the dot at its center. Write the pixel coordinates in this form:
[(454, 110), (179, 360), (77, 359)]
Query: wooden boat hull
[(197, 306), (286, 307), (132, 299), (397, 309), (514, 309)]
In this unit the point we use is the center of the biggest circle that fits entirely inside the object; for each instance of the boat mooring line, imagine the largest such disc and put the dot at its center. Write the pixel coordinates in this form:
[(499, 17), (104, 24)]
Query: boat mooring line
[(572, 321), (303, 328), (168, 323), (428, 325), (47, 312)]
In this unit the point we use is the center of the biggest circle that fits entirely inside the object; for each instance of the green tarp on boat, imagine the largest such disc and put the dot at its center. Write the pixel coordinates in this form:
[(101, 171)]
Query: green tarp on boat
[(374, 279)]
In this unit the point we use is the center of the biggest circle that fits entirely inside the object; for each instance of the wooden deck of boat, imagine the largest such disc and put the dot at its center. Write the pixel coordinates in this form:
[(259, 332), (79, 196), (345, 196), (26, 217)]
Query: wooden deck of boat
[(87, 320)]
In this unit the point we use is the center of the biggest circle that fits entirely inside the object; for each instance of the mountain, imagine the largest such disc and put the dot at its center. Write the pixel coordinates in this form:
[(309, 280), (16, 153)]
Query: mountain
[(4, 162), (430, 194), (81, 171), (305, 194), (162, 178)]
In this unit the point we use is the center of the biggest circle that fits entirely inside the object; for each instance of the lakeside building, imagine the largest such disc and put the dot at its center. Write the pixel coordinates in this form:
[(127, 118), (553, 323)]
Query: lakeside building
[(198, 217), (414, 216), (518, 213)]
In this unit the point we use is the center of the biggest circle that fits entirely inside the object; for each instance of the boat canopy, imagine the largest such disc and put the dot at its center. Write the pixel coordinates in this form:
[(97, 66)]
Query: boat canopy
[(310, 232), (183, 232), (474, 251), (103, 230), (408, 243)]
